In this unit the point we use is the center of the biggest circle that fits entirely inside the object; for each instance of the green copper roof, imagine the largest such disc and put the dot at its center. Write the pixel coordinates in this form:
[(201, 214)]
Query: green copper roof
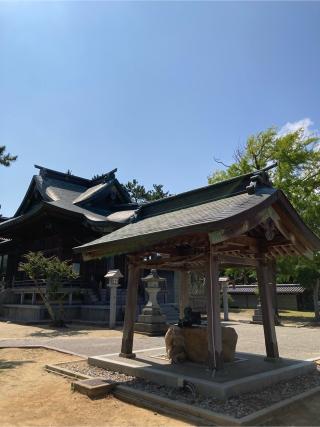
[(225, 204), (202, 217)]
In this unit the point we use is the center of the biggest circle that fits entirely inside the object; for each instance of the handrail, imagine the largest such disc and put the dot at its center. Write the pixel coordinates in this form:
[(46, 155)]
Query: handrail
[(23, 283)]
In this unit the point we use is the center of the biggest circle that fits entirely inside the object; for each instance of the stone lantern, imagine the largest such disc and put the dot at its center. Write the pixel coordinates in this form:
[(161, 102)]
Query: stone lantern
[(113, 277), (152, 321)]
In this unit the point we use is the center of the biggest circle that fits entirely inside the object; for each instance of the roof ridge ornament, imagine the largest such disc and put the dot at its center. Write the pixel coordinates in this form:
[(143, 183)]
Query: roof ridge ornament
[(106, 177), (260, 177)]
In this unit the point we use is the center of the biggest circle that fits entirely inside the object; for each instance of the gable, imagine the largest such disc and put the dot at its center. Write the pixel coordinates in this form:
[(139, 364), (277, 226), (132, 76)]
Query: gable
[(105, 195)]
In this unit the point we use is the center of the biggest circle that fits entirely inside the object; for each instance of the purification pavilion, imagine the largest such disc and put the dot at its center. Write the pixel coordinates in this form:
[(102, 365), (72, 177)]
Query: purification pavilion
[(243, 221)]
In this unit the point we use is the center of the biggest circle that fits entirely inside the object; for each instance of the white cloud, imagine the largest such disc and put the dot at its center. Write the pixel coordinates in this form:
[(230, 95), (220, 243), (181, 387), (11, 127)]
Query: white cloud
[(305, 124)]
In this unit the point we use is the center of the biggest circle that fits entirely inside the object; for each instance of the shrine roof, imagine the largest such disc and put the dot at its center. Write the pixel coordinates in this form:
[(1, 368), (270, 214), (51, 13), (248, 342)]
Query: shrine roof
[(206, 209), (93, 199)]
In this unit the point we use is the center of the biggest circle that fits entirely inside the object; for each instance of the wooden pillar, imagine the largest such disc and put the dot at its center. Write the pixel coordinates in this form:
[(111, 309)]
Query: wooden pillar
[(215, 356), (225, 286), (184, 292), (130, 311), (273, 281), (266, 297)]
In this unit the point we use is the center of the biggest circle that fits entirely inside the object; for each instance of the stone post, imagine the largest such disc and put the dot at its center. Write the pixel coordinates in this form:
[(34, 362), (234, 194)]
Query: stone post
[(113, 277), (225, 284), (152, 321)]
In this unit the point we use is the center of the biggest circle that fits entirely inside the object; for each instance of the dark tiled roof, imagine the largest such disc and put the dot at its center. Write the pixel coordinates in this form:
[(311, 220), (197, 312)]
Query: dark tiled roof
[(3, 218), (4, 240), (72, 194), (282, 288), (198, 196)]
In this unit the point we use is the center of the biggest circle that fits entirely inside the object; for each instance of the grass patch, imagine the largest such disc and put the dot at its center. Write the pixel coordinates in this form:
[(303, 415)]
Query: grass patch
[(297, 316)]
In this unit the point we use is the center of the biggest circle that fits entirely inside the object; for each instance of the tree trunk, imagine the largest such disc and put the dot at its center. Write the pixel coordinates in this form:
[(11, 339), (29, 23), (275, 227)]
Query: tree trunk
[(46, 302), (60, 319), (316, 300)]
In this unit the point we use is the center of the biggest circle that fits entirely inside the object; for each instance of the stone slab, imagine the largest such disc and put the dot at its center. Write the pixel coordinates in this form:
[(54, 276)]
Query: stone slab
[(150, 318), (93, 387)]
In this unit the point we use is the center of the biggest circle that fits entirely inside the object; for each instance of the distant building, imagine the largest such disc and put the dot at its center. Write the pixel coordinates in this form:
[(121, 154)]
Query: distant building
[(289, 296)]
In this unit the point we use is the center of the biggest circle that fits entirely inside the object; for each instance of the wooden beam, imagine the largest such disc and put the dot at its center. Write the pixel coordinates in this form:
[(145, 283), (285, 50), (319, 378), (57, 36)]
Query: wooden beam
[(173, 263), (237, 260), (238, 229), (283, 222), (130, 311), (265, 290), (251, 242), (215, 356)]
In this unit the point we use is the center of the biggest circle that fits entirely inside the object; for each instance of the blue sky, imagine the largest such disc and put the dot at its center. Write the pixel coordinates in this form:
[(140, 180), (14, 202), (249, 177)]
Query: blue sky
[(155, 89)]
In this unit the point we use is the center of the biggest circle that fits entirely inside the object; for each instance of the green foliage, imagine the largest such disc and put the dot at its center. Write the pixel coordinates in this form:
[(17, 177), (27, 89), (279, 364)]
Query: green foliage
[(139, 194), (297, 174), (54, 272), (240, 276), (6, 158)]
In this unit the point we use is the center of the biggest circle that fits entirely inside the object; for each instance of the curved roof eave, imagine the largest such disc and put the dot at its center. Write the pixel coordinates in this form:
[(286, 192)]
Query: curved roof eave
[(129, 244), (118, 243), (48, 207)]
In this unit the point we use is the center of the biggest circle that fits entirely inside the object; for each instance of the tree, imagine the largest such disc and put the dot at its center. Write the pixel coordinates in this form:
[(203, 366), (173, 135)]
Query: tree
[(6, 158), (54, 272), (298, 175), (306, 272), (139, 194)]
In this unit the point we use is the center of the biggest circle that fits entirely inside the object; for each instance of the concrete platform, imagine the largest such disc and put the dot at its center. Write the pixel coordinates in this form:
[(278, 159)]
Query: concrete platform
[(248, 372)]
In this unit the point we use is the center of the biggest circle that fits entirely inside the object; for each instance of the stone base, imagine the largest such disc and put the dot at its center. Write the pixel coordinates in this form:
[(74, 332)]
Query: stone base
[(151, 318), (193, 342), (93, 387), (151, 329), (250, 374), (257, 316)]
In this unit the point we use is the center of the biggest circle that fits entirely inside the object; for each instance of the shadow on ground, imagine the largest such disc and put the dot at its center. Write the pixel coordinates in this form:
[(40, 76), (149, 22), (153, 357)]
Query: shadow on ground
[(5, 364), (51, 332)]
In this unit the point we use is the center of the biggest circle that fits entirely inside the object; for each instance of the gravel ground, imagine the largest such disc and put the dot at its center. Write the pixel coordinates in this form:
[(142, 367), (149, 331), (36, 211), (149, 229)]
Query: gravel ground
[(237, 407), (84, 368)]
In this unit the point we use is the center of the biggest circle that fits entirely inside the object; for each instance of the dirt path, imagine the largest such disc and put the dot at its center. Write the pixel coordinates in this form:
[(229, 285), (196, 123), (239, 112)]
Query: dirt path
[(32, 397)]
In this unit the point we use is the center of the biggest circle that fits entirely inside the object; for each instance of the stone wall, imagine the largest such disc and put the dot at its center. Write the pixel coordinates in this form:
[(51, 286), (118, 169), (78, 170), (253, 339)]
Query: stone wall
[(27, 313)]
